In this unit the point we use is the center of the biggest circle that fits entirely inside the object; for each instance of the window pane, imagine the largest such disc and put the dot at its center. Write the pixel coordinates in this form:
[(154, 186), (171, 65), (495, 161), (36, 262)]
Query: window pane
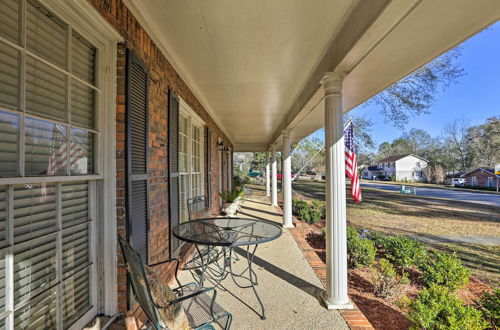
[(183, 163), (83, 56), (3, 215), (75, 249), (9, 64), (82, 152), (34, 211), (9, 131), (82, 104), (183, 187), (75, 207), (45, 150), (34, 268), (39, 314), (9, 19), (45, 90), (76, 297), (183, 125), (2, 282), (46, 35)]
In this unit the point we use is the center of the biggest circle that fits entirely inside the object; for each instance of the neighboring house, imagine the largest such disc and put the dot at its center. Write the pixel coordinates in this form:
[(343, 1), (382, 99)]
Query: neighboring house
[(401, 167), (481, 177)]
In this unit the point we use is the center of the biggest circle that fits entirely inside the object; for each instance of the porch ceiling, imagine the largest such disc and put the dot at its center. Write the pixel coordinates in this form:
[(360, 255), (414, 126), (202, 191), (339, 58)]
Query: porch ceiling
[(256, 65)]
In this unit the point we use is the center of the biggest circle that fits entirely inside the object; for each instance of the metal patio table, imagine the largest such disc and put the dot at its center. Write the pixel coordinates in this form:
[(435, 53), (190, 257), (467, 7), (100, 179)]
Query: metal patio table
[(228, 234)]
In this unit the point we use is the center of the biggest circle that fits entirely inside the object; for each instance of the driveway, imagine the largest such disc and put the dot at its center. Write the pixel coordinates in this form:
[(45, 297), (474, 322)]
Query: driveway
[(465, 196)]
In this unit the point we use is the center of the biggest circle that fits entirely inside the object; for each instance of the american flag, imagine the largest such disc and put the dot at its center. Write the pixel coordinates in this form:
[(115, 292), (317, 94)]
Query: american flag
[(351, 164)]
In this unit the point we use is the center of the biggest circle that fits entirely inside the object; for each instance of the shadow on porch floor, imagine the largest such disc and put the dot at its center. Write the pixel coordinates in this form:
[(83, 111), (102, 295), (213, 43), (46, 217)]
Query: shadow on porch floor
[(287, 285)]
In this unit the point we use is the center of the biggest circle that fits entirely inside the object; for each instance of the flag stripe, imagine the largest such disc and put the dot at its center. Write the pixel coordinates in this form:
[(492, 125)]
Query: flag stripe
[(351, 163)]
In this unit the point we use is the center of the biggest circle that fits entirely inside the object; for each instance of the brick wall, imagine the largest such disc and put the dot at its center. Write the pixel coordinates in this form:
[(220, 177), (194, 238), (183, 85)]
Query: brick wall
[(162, 77), (482, 178)]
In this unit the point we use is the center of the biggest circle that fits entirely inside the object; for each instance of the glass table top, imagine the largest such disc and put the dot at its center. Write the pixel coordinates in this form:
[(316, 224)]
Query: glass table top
[(227, 231)]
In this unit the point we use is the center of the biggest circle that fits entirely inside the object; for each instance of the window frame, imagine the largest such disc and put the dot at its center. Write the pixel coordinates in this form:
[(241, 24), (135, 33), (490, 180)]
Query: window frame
[(193, 119), (88, 22)]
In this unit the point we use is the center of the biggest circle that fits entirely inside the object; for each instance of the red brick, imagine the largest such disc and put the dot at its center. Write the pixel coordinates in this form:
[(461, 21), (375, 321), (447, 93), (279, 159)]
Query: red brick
[(162, 77)]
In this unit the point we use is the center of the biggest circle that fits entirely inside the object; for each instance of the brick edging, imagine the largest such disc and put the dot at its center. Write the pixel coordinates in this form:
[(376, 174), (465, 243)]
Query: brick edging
[(354, 318)]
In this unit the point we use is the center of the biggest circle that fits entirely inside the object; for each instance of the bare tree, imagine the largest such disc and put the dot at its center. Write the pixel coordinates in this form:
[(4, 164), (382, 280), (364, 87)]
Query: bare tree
[(456, 133), (415, 94), (429, 173), (438, 174)]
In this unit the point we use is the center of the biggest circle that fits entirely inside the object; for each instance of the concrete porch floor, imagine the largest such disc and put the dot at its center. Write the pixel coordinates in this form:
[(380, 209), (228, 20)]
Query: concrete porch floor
[(287, 285)]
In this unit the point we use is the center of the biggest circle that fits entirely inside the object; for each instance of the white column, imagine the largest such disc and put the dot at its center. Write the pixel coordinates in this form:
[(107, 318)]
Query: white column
[(286, 180), (268, 175), (335, 295), (274, 180)]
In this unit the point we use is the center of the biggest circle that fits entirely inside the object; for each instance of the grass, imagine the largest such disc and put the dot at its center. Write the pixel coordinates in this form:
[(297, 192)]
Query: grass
[(484, 260), (410, 215), (414, 215)]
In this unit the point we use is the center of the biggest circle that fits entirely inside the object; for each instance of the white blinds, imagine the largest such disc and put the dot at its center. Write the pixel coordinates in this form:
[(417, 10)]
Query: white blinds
[(9, 62), (46, 35), (47, 228), (9, 22), (45, 90), (48, 98), (56, 83)]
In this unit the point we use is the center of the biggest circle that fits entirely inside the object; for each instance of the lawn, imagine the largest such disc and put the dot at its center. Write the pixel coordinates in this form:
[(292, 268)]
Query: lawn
[(411, 215)]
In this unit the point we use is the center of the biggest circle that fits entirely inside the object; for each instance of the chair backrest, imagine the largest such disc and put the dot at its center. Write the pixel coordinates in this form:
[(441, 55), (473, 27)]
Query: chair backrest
[(196, 207), (139, 282)]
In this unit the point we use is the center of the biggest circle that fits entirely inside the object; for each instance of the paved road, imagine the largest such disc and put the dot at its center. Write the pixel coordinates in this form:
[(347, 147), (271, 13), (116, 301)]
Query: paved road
[(465, 196)]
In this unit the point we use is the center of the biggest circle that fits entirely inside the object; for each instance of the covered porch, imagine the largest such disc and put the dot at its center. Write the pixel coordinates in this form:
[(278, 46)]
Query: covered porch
[(287, 284), (114, 113)]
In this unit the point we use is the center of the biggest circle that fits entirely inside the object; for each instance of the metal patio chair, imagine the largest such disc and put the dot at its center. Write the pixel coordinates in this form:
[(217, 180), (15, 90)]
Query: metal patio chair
[(196, 207), (201, 310)]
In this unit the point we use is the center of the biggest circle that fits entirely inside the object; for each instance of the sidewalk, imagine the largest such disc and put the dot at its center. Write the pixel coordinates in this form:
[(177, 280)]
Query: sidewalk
[(287, 285)]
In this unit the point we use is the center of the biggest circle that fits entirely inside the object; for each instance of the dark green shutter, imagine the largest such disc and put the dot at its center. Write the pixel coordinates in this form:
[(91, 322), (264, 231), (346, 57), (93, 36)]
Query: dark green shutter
[(137, 155), (208, 167), (173, 164)]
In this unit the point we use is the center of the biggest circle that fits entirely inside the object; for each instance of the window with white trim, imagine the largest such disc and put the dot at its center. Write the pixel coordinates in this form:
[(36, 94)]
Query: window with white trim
[(49, 93), (191, 137)]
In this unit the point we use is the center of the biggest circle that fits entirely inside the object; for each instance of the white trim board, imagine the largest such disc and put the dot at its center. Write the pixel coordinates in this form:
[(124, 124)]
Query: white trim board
[(90, 23)]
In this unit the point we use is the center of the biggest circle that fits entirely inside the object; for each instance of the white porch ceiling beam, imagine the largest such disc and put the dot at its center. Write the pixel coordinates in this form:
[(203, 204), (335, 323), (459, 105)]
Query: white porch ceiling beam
[(400, 40), (356, 23)]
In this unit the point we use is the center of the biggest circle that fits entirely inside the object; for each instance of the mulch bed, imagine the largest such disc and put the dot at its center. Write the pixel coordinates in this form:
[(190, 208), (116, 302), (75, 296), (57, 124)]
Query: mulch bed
[(381, 313)]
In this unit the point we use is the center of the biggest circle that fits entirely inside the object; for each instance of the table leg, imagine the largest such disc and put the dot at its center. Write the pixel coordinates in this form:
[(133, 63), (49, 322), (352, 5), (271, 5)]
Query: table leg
[(203, 266), (251, 275)]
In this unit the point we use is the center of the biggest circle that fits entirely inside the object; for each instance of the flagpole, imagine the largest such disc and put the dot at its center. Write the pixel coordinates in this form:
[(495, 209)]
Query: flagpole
[(297, 174), (349, 121)]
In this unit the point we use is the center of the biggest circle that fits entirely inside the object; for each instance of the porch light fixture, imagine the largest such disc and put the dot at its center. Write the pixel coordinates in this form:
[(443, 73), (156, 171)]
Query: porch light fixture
[(220, 144)]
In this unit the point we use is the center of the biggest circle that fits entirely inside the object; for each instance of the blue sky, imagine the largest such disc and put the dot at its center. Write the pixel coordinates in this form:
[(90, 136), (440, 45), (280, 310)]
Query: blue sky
[(476, 96)]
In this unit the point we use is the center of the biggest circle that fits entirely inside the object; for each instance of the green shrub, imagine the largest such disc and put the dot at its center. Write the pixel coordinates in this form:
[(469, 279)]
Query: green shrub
[(361, 251), (306, 212), (323, 232), (445, 269), (298, 206), (387, 283), (314, 215), (404, 252), (377, 237), (437, 308), (490, 306), (320, 206), (240, 178)]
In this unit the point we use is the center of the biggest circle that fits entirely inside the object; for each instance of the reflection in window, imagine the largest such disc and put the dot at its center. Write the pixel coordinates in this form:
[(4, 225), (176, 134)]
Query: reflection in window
[(46, 148), (81, 158)]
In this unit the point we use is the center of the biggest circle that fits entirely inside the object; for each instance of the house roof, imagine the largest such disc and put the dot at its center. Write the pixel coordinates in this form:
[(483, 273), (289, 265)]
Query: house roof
[(397, 157), (484, 169)]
